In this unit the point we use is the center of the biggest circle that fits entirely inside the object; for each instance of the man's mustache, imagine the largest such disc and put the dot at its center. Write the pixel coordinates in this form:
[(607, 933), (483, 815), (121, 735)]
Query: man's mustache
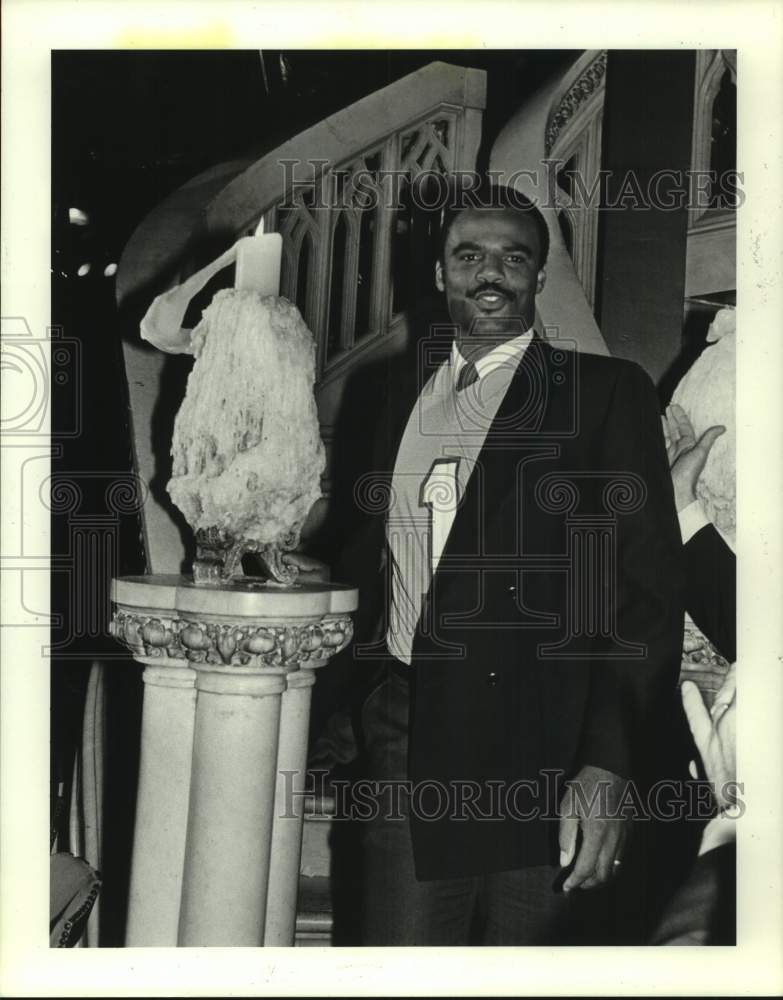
[(492, 290)]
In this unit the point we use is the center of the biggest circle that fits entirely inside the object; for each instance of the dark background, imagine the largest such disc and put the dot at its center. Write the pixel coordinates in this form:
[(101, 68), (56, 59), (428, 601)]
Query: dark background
[(128, 129)]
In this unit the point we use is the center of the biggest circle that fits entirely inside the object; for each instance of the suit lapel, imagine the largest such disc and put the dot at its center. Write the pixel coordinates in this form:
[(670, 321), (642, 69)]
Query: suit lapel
[(523, 416)]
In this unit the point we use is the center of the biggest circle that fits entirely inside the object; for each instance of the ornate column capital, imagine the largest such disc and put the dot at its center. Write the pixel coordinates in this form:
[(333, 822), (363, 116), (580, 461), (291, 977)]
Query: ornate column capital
[(237, 642), (244, 625)]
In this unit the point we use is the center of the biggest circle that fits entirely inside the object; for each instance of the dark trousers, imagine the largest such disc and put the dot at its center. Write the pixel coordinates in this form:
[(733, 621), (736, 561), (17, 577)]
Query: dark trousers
[(500, 908)]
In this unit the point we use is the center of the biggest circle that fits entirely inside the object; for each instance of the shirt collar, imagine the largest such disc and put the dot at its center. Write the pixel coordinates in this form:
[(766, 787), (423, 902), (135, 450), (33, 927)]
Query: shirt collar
[(510, 350)]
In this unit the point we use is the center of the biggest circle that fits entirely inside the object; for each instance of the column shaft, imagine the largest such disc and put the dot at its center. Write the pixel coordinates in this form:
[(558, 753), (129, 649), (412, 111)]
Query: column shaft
[(232, 793), (289, 811), (161, 806)]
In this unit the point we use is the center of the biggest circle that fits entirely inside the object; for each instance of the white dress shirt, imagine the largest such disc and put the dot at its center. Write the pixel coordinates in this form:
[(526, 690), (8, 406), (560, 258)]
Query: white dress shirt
[(441, 443)]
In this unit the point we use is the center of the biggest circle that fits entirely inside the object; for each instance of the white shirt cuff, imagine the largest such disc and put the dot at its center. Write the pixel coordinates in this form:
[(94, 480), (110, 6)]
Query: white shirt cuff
[(692, 519)]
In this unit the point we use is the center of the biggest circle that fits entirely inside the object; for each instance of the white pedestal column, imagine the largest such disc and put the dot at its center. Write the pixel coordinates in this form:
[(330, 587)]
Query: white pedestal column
[(162, 803), (232, 795), (210, 790), (289, 810)]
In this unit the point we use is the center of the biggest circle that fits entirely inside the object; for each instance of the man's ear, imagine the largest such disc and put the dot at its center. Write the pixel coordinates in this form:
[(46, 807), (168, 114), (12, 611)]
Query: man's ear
[(541, 280), (439, 282)]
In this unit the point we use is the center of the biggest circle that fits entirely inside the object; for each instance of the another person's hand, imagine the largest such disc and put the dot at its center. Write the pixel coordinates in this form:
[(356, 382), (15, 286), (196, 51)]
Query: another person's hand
[(686, 455), (714, 733), (310, 570), (594, 808)]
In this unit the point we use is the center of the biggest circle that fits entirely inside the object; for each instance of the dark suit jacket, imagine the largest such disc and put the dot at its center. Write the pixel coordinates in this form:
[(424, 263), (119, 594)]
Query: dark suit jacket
[(704, 910), (552, 630), (711, 589)]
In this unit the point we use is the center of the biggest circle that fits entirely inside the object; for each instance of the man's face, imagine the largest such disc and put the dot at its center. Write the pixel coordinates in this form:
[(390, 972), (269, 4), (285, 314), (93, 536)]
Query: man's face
[(490, 273)]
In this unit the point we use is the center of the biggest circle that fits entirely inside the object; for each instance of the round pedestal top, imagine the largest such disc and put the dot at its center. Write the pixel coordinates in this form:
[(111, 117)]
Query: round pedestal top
[(246, 597)]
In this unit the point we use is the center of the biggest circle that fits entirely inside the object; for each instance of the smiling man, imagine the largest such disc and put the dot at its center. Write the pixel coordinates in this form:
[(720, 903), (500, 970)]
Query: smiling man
[(534, 620), (491, 269)]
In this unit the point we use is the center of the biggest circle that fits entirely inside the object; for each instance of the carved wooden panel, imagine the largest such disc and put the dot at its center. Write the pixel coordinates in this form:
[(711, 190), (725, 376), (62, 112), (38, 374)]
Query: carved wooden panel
[(716, 69), (341, 237), (573, 142)]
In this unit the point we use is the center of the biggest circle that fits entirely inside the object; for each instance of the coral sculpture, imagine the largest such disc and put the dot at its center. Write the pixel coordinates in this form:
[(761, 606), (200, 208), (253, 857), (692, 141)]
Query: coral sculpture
[(247, 453)]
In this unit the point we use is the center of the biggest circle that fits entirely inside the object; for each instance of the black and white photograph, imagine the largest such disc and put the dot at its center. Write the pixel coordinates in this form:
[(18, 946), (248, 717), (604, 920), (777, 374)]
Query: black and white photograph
[(391, 490)]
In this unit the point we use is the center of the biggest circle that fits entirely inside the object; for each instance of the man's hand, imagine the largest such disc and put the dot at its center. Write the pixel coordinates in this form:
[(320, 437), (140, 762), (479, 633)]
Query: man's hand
[(591, 802), (310, 570), (714, 734), (686, 455)]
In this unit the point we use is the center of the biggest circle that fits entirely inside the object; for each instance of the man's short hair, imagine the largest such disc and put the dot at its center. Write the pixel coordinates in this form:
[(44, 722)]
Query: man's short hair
[(488, 195)]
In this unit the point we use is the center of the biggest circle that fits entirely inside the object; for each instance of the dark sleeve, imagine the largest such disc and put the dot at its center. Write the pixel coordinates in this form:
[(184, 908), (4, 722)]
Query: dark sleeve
[(710, 589), (634, 672), (704, 910)]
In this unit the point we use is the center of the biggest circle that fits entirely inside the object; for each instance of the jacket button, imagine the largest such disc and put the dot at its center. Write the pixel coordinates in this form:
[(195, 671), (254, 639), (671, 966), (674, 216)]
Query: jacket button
[(512, 589), (493, 679)]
